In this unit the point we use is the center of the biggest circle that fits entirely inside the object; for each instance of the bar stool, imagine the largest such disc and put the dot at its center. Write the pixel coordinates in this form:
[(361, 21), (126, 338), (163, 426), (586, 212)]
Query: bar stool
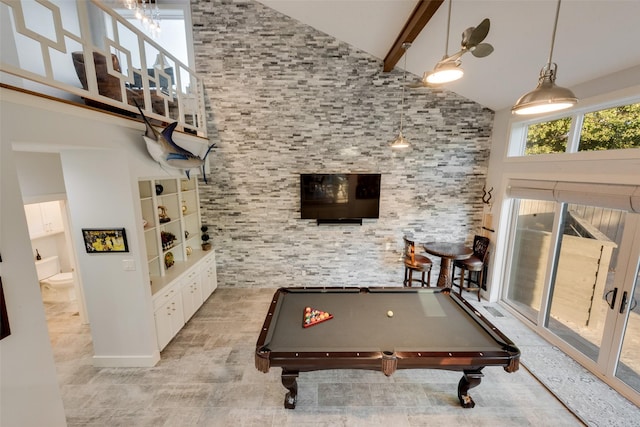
[(474, 264), (413, 262)]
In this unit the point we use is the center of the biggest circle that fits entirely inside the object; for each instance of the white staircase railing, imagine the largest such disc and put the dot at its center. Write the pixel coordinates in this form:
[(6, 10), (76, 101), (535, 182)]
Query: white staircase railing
[(83, 51)]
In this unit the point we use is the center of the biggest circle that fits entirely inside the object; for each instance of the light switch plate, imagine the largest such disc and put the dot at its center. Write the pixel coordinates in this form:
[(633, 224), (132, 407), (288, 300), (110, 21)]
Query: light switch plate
[(128, 265)]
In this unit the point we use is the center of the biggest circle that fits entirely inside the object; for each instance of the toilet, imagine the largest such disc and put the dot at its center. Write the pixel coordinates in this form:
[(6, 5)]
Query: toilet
[(54, 284)]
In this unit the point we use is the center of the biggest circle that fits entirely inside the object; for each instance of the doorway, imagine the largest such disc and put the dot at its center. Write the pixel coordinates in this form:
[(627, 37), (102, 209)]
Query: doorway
[(573, 273), (55, 261)]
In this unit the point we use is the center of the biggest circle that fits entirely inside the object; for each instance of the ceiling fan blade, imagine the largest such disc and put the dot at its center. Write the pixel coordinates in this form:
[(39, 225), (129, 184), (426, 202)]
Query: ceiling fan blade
[(481, 50), (474, 36)]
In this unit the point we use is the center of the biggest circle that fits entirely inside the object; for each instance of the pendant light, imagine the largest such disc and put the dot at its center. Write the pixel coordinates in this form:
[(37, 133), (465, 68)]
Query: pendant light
[(400, 141), (547, 97), (445, 71)]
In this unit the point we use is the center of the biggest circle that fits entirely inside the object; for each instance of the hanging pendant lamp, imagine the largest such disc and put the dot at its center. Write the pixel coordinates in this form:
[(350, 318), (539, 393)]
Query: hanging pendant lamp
[(547, 97), (447, 70), (401, 141)]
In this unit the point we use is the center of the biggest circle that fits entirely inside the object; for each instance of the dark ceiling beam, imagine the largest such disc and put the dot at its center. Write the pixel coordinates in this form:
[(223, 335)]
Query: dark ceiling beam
[(422, 13)]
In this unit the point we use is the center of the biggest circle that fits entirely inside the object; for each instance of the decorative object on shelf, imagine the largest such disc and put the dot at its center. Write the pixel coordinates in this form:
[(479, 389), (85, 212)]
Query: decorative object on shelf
[(168, 259), (162, 214), (189, 250), (165, 151), (144, 223), (184, 207), (206, 244), (38, 257), (101, 240), (168, 240), (159, 189)]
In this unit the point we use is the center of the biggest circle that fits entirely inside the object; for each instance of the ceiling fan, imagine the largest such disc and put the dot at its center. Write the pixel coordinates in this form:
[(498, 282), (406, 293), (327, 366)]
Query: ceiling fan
[(448, 68)]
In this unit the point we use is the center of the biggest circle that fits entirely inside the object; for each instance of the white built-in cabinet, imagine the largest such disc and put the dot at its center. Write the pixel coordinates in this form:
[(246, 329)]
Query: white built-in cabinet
[(179, 289), (44, 219), (168, 314), (181, 292)]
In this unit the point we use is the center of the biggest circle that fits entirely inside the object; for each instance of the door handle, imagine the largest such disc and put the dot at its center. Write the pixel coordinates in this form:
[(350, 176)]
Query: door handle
[(623, 304), (613, 298)]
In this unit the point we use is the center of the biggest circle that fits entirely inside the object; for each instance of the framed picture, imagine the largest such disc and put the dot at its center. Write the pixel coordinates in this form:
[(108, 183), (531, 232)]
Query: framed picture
[(5, 330), (105, 240)]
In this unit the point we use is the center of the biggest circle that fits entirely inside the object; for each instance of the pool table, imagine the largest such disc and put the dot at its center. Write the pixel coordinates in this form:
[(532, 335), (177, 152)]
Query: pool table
[(380, 329)]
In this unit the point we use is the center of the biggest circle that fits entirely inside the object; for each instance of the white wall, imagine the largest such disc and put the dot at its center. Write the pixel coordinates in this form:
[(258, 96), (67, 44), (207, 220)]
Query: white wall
[(40, 176), (102, 191), (100, 195), (613, 167), (29, 392)]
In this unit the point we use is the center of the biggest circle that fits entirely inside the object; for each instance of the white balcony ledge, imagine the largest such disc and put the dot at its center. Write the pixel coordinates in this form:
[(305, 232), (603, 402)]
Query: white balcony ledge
[(84, 52)]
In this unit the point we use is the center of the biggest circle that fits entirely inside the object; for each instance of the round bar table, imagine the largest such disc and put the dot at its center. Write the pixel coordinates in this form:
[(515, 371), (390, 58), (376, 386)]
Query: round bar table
[(447, 252)]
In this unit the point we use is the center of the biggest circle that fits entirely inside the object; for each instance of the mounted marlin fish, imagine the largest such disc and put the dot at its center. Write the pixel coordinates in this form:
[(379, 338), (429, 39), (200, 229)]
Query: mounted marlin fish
[(165, 151)]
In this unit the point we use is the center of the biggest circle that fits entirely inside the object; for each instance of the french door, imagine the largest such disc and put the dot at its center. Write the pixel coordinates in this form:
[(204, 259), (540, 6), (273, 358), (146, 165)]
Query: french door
[(574, 273)]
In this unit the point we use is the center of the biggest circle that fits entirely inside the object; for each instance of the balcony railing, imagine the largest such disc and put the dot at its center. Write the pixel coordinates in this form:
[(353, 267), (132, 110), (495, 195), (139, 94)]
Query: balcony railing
[(84, 51)]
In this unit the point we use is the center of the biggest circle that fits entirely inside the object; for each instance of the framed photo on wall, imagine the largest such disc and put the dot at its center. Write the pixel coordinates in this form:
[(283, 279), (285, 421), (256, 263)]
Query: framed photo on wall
[(105, 240), (5, 330)]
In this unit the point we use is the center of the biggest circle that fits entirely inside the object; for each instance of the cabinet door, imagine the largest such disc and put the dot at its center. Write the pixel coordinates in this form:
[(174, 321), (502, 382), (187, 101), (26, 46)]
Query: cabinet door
[(169, 317), (164, 326), (52, 217), (34, 220), (188, 302), (209, 279), (177, 315), (191, 294), (43, 218)]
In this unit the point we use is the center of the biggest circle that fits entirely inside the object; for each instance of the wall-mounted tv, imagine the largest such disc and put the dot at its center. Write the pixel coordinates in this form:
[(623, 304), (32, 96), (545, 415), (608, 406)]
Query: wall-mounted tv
[(346, 197)]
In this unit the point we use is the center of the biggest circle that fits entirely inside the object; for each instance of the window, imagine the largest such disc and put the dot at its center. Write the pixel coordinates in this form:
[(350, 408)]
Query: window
[(548, 137), (611, 129), (608, 129)]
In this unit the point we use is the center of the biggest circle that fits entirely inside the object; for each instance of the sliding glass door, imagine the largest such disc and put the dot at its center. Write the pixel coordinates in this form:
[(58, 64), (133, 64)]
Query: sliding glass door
[(585, 272), (573, 272), (623, 302)]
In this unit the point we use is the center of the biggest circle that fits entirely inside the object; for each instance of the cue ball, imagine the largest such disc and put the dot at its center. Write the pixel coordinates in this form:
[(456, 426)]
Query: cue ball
[(389, 313)]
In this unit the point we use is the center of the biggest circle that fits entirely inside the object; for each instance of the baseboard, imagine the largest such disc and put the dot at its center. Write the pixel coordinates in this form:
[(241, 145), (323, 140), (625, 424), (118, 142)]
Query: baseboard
[(127, 361)]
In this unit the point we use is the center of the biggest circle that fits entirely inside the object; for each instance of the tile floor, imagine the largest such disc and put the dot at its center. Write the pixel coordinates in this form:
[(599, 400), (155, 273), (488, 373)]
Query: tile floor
[(207, 378)]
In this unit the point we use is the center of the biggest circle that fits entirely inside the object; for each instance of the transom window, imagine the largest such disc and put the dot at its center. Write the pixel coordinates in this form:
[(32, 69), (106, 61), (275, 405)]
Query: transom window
[(608, 129)]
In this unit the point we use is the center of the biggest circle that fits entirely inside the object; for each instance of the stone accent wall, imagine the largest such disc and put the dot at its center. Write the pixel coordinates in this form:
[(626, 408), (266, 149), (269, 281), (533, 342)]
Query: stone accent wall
[(285, 99)]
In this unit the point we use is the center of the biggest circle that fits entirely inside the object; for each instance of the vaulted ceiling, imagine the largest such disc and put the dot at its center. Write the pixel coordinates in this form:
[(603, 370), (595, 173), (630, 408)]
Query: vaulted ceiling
[(595, 38)]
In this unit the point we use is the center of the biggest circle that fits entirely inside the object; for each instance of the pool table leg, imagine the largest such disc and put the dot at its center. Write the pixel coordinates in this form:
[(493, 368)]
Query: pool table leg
[(290, 383), (469, 380)]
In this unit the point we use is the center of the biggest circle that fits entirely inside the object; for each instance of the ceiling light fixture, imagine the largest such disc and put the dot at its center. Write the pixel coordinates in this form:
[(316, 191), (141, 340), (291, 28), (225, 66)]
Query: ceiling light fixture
[(546, 97), (445, 71), (401, 141), (147, 12)]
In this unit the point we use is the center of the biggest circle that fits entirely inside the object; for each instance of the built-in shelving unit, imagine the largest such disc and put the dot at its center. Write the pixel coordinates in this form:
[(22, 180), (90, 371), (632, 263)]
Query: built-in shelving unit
[(171, 206), (171, 218)]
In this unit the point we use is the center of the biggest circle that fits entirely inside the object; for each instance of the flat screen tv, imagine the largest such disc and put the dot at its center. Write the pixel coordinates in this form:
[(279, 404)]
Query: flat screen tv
[(339, 197)]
